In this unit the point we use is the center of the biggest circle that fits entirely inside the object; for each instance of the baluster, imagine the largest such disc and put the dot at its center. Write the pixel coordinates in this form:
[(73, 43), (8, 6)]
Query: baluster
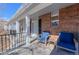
[(5, 43), (2, 43), (19, 39), (13, 41), (9, 40)]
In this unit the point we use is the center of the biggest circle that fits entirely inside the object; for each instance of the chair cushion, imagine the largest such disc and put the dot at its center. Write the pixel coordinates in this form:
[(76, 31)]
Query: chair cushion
[(67, 45), (66, 37)]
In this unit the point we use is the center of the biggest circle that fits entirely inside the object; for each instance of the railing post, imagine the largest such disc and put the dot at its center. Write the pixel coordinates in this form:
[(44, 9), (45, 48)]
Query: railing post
[(5, 42), (19, 39), (13, 42), (2, 43), (9, 41)]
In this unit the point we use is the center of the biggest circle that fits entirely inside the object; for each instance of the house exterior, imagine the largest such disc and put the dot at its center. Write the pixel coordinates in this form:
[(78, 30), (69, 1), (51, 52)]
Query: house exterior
[(3, 23), (34, 18), (51, 10), (3, 26), (27, 18)]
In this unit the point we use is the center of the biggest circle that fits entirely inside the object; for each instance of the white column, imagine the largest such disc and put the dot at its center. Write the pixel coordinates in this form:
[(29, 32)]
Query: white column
[(17, 35), (27, 31), (9, 28), (17, 26)]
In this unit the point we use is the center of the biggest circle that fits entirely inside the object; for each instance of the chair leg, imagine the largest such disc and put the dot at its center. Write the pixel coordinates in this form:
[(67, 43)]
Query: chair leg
[(76, 44), (76, 53), (46, 43)]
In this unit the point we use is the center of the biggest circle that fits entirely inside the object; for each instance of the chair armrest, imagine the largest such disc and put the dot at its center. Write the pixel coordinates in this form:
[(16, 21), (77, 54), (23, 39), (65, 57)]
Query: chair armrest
[(38, 38), (76, 45), (46, 39)]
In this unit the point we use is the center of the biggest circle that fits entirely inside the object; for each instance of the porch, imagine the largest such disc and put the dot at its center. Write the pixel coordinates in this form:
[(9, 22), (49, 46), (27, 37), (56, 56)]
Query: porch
[(53, 18), (13, 45)]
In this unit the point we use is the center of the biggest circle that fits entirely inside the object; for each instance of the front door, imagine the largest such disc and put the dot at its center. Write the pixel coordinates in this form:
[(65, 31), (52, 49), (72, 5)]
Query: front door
[(39, 26)]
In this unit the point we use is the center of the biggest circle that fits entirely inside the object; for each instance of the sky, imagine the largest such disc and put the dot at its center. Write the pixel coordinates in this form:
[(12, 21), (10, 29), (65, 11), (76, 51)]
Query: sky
[(7, 10)]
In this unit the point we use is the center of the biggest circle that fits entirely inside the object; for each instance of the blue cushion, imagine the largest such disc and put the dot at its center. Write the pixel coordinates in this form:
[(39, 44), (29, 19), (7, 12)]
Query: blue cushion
[(67, 45), (66, 40), (66, 37)]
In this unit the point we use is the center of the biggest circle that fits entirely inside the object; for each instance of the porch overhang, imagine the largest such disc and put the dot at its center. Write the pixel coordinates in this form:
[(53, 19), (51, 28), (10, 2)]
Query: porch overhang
[(28, 9)]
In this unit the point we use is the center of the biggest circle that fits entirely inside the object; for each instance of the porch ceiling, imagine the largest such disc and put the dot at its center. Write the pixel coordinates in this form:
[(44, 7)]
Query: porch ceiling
[(19, 12), (35, 10), (54, 9)]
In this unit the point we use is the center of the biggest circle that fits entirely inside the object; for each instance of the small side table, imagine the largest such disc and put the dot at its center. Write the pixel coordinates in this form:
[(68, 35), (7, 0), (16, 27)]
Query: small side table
[(53, 38)]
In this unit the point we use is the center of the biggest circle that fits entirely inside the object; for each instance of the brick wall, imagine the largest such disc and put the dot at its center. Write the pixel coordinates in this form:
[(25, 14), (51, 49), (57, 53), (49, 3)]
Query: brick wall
[(69, 18), (46, 22)]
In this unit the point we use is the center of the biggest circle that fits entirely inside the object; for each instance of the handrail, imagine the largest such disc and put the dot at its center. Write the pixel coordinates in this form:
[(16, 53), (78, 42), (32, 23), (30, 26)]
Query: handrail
[(11, 41)]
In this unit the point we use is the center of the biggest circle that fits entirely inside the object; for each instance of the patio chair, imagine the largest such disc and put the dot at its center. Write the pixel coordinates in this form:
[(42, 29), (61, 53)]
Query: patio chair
[(43, 37), (66, 41)]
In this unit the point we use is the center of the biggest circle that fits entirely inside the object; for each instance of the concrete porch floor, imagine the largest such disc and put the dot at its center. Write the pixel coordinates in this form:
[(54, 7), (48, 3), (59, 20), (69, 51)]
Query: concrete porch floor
[(34, 49), (39, 49)]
